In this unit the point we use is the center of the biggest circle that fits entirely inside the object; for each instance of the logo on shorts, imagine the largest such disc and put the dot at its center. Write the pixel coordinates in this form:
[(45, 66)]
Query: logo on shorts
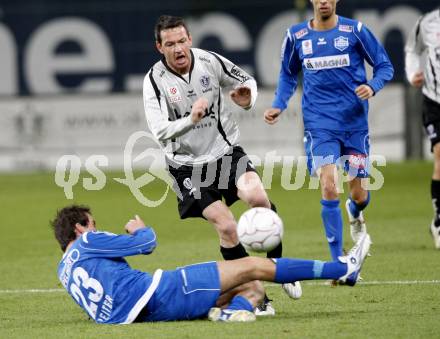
[(341, 43), (187, 183), (358, 160), (431, 131)]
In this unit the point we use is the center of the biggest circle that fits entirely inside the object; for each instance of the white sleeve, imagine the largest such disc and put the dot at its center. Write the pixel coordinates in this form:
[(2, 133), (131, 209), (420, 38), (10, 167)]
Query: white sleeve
[(156, 112), (233, 76), (413, 51)]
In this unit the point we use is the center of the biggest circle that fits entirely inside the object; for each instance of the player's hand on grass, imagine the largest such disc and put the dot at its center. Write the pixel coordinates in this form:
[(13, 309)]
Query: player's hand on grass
[(241, 96), (364, 92), (134, 224), (418, 80), (271, 115), (199, 108)]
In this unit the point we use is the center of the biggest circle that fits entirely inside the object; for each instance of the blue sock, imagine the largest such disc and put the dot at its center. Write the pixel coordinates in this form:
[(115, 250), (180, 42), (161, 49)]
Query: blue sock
[(289, 270), (240, 303), (332, 219), (355, 209)]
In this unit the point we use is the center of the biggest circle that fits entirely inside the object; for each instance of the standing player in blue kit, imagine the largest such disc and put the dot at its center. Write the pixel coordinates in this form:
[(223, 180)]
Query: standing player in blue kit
[(331, 51)]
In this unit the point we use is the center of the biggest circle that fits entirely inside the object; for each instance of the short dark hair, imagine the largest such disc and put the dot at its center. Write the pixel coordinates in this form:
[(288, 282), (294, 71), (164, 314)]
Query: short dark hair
[(168, 21), (65, 220)]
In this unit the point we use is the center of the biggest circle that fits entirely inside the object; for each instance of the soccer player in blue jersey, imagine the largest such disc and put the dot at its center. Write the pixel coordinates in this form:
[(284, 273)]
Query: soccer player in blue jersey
[(95, 274), (331, 50)]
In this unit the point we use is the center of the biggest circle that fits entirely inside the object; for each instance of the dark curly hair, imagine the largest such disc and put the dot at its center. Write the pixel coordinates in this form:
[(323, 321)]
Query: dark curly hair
[(168, 21), (64, 223)]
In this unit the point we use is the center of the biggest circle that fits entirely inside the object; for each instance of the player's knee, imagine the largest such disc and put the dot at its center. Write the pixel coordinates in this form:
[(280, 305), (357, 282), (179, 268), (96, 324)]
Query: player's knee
[(259, 200), (329, 190), (359, 196), (227, 228)]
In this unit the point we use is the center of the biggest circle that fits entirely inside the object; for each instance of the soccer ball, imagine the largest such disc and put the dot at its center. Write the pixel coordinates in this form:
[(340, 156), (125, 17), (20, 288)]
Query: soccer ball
[(260, 229)]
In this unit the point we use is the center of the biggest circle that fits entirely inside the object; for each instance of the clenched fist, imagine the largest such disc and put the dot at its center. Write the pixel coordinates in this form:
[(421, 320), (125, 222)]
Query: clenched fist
[(199, 109), (271, 115)]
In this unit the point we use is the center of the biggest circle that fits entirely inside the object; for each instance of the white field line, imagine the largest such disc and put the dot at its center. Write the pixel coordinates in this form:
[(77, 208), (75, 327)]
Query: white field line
[(307, 283), (374, 282)]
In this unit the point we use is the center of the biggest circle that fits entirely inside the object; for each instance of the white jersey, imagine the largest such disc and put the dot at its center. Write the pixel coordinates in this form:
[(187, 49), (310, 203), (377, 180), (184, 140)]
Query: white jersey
[(425, 38), (168, 99)]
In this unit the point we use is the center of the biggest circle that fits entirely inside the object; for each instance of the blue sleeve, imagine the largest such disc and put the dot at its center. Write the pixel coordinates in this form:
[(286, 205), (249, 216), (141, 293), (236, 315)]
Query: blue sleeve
[(290, 67), (376, 56), (109, 245)]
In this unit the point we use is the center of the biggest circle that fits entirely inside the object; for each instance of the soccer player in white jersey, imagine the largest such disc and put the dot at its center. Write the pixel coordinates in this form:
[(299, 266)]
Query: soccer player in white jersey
[(186, 113), (331, 51), (95, 273), (425, 41)]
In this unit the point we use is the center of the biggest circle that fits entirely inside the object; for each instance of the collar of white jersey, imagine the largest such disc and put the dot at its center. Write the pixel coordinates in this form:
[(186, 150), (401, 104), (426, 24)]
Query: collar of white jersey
[(177, 74)]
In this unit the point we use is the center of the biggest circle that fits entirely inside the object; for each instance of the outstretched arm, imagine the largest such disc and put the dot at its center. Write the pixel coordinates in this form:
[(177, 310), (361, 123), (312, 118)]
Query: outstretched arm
[(287, 81)]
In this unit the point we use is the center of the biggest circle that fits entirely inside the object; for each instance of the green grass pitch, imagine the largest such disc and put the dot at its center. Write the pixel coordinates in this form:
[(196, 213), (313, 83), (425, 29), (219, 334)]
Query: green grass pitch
[(400, 296)]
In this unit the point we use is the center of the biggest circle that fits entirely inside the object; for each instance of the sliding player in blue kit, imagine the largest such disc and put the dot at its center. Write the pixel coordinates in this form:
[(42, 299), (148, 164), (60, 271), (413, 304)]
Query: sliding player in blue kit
[(331, 51), (95, 274)]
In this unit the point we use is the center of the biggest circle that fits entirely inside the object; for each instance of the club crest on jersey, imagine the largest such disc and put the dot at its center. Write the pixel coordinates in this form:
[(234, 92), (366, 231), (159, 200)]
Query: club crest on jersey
[(341, 43), (307, 47), (174, 94), (346, 28), (204, 81)]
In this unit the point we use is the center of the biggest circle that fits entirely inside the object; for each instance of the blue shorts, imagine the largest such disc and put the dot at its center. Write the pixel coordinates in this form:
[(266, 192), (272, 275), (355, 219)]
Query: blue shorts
[(185, 293), (349, 149)]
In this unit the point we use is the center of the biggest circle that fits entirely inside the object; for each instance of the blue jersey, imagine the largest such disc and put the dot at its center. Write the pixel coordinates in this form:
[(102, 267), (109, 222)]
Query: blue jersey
[(332, 62), (98, 278)]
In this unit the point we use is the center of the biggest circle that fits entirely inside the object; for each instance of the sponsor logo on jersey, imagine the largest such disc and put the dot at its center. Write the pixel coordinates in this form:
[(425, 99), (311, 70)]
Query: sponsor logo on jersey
[(321, 41), (174, 94), (191, 94), (341, 43), (346, 28), (301, 33), (162, 73), (204, 81), (332, 61), (236, 72), (307, 47), (204, 59)]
